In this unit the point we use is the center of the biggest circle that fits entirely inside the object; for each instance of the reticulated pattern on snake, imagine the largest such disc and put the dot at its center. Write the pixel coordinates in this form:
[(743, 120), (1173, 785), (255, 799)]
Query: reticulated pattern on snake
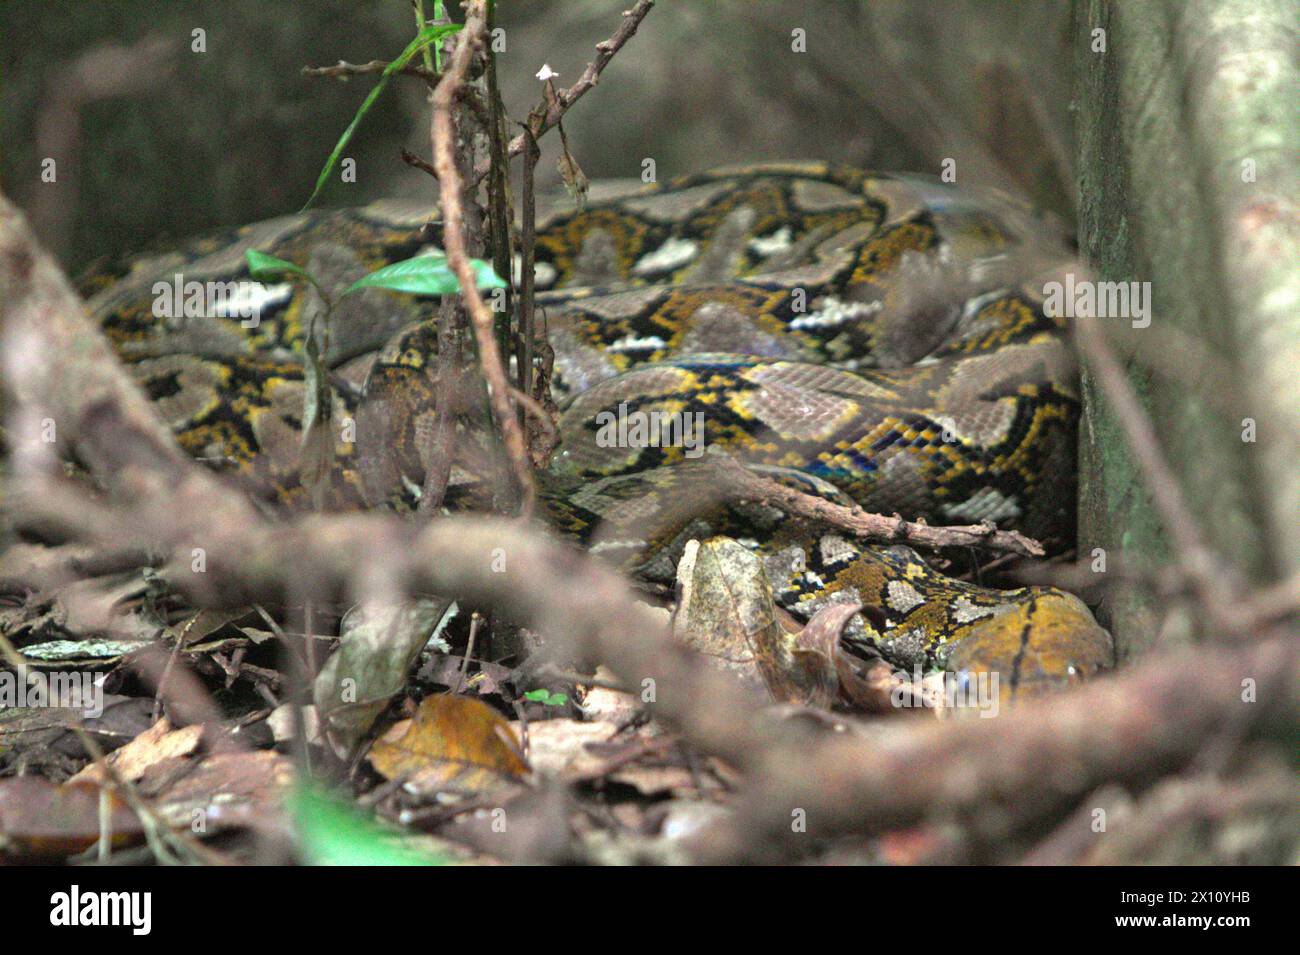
[(875, 339)]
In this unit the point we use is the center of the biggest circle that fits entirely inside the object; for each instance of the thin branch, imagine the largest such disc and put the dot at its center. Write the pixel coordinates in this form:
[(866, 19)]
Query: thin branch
[(474, 622), (500, 209), (527, 256), (411, 159), (1275, 602), (343, 69), (605, 51), (743, 483), (532, 407), (449, 182)]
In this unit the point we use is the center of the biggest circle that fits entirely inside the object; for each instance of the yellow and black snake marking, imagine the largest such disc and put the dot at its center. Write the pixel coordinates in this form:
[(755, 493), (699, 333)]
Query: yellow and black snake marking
[(871, 338)]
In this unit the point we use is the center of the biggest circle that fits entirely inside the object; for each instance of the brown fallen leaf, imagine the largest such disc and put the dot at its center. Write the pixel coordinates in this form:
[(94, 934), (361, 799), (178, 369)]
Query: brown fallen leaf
[(453, 744), (728, 614), (40, 820), (190, 787), (155, 744), (205, 623), (863, 686)]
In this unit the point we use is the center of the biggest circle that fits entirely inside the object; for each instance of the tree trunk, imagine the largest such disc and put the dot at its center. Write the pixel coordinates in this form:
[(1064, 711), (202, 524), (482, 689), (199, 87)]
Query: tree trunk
[(1187, 129)]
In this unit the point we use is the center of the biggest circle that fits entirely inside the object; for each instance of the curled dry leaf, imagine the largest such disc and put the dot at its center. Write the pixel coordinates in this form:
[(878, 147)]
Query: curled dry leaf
[(865, 686), (728, 614), (575, 180), (816, 652), (378, 645), (452, 744)]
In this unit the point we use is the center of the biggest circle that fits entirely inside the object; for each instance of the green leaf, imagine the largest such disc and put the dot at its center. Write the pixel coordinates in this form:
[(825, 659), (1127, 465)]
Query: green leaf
[(546, 697), (267, 268), (332, 834), (426, 275), (424, 38)]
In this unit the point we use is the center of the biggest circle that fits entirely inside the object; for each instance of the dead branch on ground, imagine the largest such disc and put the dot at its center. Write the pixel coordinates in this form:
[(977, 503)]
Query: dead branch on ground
[(745, 484)]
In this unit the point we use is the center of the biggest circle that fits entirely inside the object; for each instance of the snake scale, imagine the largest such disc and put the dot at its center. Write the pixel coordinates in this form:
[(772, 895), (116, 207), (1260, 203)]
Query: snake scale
[(870, 338)]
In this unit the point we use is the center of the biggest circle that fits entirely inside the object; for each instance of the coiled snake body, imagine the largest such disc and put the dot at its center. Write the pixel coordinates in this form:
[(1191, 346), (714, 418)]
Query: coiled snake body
[(869, 338)]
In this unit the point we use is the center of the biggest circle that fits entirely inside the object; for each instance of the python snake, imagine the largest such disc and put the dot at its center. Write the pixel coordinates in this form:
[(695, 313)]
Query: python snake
[(871, 338)]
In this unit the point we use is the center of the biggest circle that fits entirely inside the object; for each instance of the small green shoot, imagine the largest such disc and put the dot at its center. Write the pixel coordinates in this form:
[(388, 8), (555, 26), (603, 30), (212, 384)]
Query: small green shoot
[(426, 36), (546, 697)]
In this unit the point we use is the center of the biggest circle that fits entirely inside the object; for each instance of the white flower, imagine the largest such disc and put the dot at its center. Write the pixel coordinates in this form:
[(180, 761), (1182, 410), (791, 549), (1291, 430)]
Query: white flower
[(546, 73)]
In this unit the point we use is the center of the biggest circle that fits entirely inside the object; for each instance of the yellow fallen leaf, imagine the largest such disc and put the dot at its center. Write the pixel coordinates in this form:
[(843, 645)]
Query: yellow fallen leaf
[(453, 743)]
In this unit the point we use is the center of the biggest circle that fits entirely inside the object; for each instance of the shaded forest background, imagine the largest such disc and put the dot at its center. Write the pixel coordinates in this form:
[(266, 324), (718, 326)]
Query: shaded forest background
[(238, 134)]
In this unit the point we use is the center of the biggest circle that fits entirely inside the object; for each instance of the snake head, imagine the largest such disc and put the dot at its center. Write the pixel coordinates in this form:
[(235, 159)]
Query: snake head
[(1046, 643)]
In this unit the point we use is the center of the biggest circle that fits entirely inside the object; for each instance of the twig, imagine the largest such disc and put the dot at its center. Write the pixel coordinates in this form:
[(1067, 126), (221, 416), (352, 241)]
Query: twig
[(499, 207), (605, 51), (474, 621), (742, 482), (531, 406), (1275, 602), (411, 159), (449, 183), (638, 748), (527, 258), (309, 638), (344, 70), (167, 670), (56, 566)]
